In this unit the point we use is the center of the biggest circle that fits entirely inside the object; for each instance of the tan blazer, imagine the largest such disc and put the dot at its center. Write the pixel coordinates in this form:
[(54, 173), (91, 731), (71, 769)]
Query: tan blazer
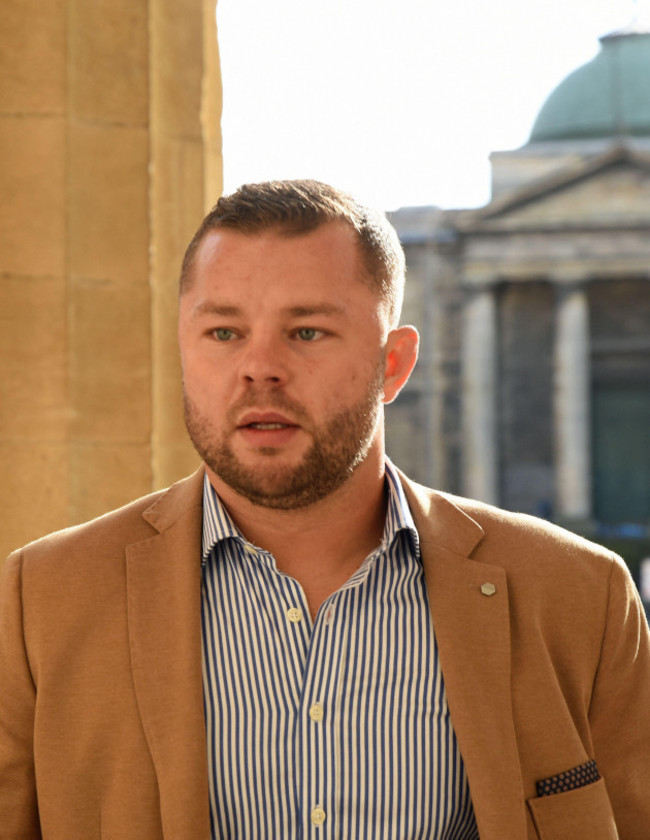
[(101, 700)]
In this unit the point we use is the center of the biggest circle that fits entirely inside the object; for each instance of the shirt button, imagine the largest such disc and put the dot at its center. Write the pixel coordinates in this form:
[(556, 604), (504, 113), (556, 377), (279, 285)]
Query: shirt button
[(316, 712), (294, 615), (318, 815)]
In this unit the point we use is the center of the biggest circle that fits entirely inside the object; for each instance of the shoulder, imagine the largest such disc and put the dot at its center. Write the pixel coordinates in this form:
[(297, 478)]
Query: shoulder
[(513, 532), (517, 542), (110, 533), (125, 523)]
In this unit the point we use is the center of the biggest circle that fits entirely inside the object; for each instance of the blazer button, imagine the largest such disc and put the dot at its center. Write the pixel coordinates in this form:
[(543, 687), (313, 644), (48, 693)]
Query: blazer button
[(488, 588)]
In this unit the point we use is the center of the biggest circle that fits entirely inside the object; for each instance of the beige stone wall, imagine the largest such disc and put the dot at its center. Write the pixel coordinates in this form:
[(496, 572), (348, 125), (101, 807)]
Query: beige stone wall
[(111, 153)]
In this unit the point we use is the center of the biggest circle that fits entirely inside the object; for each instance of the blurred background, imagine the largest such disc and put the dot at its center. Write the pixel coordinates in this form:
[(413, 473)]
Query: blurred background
[(511, 148)]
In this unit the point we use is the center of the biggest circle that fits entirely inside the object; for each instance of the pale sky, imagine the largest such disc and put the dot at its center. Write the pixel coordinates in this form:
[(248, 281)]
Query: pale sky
[(398, 101)]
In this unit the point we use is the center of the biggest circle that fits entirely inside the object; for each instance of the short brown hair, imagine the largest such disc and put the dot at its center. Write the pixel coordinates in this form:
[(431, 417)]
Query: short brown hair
[(298, 207)]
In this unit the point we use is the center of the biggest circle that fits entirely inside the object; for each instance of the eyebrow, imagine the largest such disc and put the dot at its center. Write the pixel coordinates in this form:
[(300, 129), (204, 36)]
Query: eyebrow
[(210, 308), (303, 311), (315, 309)]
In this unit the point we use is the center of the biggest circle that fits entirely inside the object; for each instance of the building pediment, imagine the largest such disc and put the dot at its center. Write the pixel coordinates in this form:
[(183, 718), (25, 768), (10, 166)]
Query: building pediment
[(609, 191)]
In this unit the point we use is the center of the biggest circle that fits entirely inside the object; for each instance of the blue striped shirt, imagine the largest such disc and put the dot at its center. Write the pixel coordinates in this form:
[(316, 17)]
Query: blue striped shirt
[(336, 728)]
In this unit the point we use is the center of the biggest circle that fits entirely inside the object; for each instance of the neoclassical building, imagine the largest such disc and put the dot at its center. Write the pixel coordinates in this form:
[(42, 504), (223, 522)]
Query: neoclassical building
[(533, 388)]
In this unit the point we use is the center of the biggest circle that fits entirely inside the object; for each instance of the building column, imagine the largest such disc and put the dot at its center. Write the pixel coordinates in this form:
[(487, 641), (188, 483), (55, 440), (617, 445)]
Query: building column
[(110, 143), (479, 404), (572, 404), (185, 183)]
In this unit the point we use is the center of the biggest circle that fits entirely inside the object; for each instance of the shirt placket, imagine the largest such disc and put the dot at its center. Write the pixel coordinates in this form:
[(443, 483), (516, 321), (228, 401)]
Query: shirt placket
[(294, 622), (319, 721), (314, 649)]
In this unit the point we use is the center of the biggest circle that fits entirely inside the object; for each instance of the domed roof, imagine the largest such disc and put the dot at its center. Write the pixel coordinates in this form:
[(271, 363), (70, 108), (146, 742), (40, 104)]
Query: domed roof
[(607, 97)]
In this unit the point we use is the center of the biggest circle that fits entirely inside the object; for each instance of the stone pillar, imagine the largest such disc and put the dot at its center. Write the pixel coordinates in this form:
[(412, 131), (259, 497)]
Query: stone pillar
[(479, 397), (427, 365), (110, 154), (186, 182), (572, 404)]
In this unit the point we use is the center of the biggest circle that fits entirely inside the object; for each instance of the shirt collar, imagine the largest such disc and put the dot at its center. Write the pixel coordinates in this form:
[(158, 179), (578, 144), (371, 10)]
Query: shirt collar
[(398, 513), (218, 526)]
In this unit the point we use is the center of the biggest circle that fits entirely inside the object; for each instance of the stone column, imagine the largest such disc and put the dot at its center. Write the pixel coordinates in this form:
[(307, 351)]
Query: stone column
[(110, 153), (427, 366), (572, 404), (479, 397), (186, 181)]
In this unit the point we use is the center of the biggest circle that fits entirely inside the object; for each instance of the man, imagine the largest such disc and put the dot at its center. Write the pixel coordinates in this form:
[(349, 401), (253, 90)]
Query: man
[(297, 641)]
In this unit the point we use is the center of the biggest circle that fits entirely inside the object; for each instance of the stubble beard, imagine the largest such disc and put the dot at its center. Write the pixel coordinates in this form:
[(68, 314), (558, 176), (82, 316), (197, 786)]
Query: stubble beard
[(338, 447)]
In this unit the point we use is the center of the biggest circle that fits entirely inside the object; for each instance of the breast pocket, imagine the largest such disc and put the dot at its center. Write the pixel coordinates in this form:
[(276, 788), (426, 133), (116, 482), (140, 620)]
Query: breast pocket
[(581, 814)]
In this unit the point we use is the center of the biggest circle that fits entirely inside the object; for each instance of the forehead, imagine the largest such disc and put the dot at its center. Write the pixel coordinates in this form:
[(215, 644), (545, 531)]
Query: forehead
[(329, 254)]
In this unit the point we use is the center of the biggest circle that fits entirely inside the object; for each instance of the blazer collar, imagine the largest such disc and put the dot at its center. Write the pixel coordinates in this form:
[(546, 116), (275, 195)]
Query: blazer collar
[(469, 602), (164, 615), (176, 501)]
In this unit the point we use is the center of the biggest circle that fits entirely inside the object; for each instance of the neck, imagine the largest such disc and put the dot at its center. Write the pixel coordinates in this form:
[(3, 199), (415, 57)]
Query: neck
[(323, 544)]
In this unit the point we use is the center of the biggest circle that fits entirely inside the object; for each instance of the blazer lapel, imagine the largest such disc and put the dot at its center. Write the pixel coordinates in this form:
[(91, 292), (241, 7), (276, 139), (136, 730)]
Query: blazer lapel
[(164, 613), (469, 603)]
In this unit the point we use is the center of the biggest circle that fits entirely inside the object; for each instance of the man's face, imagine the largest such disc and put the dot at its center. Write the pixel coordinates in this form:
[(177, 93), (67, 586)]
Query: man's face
[(282, 345)]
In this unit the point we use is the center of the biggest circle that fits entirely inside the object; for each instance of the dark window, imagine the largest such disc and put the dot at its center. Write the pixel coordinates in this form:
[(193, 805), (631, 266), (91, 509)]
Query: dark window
[(621, 452)]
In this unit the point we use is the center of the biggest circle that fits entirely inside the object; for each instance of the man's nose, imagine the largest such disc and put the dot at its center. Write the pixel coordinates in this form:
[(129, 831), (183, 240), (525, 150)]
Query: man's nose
[(265, 361)]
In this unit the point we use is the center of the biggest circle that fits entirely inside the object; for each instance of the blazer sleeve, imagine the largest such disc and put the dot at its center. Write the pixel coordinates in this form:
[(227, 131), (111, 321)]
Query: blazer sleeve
[(18, 805), (620, 707)]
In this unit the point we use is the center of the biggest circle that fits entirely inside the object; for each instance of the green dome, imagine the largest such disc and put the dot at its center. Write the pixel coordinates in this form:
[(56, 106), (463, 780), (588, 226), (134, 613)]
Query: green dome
[(607, 97)]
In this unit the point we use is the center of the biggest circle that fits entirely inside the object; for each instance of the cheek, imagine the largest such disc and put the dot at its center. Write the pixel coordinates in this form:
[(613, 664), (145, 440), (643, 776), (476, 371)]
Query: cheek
[(352, 384), (205, 389)]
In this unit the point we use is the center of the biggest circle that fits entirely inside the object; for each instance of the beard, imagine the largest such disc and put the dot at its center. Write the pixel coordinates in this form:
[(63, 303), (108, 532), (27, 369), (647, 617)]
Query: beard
[(338, 446)]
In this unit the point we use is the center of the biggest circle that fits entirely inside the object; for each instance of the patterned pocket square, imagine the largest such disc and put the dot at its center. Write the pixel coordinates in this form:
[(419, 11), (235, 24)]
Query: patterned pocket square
[(584, 774)]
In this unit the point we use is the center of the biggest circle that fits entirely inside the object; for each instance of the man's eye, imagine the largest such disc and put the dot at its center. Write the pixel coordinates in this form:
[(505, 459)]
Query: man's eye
[(308, 333), (223, 334)]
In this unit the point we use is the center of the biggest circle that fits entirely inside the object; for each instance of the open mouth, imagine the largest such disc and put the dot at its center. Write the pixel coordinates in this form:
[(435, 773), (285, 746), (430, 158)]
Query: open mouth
[(265, 421), (268, 427)]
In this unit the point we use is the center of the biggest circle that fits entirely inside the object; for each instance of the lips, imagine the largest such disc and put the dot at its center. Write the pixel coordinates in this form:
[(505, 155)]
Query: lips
[(267, 431), (265, 421)]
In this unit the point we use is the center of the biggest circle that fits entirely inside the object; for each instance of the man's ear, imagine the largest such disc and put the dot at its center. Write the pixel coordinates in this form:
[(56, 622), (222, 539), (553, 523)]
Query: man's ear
[(401, 356)]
